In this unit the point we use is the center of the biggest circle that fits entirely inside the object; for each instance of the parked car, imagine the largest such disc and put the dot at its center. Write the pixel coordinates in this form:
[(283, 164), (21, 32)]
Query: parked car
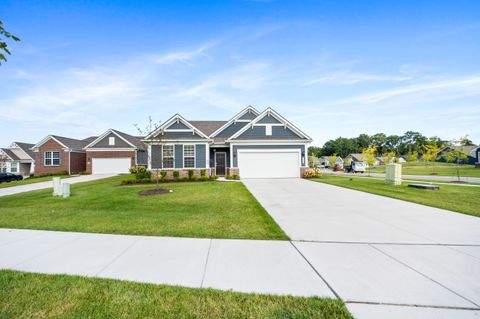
[(9, 177), (355, 167)]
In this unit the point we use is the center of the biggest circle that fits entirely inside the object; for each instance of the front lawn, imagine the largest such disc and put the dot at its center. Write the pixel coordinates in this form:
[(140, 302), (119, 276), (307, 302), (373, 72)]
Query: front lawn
[(440, 169), (26, 295), (198, 209), (31, 181), (462, 199)]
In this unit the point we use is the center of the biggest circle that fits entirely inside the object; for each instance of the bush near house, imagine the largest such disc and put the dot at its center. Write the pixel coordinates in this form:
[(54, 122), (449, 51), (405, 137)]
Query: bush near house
[(312, 173)]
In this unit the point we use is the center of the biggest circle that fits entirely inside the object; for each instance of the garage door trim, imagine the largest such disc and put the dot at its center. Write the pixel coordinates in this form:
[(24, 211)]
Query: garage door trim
[(270, 151)]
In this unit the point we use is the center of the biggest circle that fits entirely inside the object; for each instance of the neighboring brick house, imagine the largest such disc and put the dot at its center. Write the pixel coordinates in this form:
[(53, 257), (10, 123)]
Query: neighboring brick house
[(18, 159), (251, 144), (56, 154), (115, 152)]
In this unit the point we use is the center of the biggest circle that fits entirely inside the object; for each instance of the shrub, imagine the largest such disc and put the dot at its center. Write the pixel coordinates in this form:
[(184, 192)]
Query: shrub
[(204, 178), (214, 177), (164, 179), (190, 174), (185, 178), (140, 172), (127, 181), (312, 173), (228, 177), (163, 174), (194, 178), (147, 180), (176, 174), (52, 174), (203, 172), (236, 176)]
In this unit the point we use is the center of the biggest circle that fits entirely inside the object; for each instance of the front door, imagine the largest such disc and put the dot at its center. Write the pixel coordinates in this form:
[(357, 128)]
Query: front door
[(220, 163)]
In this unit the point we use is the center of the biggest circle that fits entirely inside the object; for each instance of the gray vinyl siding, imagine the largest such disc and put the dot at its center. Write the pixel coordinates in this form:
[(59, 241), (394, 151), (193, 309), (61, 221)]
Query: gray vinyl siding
[(156, 156), (178, 155), (142, 158), (179, 136), (232, 129), (278, 132), (200, 156), (178, 126), (268, 120), (119, 143), (248, 116), (235, 149)]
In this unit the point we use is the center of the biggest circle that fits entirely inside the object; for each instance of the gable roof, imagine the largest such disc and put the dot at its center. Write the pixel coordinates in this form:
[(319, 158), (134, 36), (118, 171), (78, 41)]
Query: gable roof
[(10, 154), (170, 121), (134, 141), (27, 148), (208, 127), (246, 110), (271, 112), (65, 142), (467, 150)]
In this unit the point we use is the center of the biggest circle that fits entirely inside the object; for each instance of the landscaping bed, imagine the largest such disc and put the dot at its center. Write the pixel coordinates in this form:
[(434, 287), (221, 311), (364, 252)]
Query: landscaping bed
[(27, 295), (203, 210), (460, 199)]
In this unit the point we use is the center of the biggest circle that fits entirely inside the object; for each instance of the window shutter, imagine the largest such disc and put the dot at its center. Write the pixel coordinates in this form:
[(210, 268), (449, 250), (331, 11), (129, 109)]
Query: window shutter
[(60, 153), (42, 158)]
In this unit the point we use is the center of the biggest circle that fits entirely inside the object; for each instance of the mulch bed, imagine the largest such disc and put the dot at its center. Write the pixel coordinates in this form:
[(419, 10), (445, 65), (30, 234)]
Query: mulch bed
[(151, 192)]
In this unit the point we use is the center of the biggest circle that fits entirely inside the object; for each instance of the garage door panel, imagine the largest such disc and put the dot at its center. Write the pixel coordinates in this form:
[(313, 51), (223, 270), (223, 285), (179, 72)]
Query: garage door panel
[(116, 165), (269, 164)]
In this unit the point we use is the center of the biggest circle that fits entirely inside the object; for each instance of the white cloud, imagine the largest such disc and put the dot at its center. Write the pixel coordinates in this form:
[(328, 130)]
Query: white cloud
[(184, 56), (352, 78)]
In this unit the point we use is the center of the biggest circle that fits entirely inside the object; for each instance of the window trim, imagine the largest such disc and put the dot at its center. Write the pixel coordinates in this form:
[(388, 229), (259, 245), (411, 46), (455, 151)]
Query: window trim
[(51, 158), (194, 156), (16, 167), (172, 157)]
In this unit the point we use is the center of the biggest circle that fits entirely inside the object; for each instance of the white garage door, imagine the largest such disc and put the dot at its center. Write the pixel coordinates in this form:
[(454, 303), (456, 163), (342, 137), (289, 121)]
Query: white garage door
[(117, 165), (269, 163)]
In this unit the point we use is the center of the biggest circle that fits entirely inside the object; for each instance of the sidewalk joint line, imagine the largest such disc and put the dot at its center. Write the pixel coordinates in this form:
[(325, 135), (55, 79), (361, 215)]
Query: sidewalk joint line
[(316, 271), (206, 263), (381, 243), (424, 275), (117, 257)]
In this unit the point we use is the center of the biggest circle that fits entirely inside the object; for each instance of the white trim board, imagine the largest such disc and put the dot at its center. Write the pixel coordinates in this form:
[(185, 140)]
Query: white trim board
[(236, 119), (270, 112), (170, 121), (110, 130)]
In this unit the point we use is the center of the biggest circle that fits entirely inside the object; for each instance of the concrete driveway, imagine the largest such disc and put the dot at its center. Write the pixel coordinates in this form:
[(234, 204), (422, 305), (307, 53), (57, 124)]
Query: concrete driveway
[(44, 185), (385, 258)]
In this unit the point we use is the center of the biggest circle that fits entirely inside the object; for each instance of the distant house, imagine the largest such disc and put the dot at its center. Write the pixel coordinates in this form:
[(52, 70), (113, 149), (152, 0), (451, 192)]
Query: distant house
[(472, 153), (324, 160), (17, 159), (56, 154), (401, 159), (357, 157)]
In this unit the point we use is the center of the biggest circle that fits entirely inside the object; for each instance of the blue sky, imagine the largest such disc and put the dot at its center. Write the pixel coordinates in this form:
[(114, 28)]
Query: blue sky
[(334, 68)]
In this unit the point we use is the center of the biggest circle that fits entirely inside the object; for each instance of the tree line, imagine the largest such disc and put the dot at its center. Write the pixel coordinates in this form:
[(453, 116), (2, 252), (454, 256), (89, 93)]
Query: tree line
[(406, 144)]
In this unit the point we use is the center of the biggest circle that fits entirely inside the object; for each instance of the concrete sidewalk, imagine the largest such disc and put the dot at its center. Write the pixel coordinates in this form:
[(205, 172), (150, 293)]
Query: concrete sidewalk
[(375, 281), (44, 185)]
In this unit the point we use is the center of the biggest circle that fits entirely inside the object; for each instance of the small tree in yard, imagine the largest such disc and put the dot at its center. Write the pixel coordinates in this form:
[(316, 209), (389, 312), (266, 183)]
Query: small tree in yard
[(149, 128), (332, 160), (369, 157), (389, 157), (431, 155), (455, 155), (412, 157)]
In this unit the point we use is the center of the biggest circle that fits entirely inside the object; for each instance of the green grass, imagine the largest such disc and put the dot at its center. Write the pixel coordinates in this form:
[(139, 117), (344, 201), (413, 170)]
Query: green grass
[(31, 181), (460, 199), (26, 295), (440, 169), (201, 209)]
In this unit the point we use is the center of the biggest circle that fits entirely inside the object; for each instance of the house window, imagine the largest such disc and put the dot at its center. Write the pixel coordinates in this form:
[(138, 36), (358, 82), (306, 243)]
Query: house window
[(189, 156), (13, 167), (111, 140), (168, 156), (51, 158), (268, 130)]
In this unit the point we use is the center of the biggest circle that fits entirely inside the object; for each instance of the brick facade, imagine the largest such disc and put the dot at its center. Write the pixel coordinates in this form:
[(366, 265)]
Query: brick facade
[(73, 165), (108, 154)]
